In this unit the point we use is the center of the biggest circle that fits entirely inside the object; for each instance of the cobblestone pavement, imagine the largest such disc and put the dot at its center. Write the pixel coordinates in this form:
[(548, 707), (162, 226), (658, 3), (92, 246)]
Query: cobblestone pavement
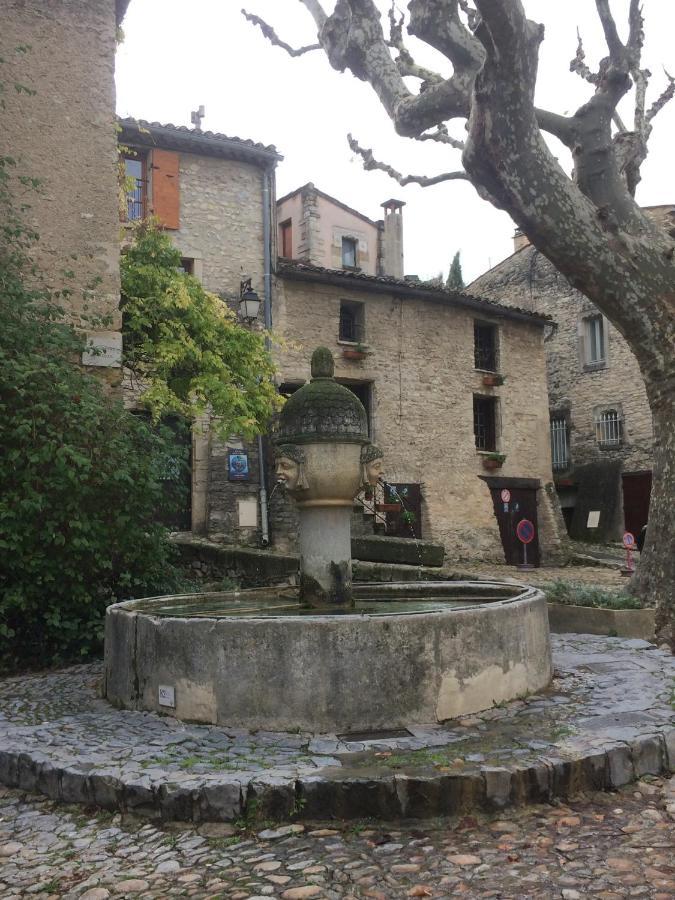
[(607, 718), (598, 845)]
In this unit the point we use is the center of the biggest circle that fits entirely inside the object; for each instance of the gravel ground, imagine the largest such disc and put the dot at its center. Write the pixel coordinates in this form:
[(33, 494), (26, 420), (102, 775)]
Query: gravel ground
[(607, 845)]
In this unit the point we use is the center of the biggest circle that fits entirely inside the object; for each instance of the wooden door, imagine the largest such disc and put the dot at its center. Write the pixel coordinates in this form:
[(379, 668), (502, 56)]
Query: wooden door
[(522, 504), (637, 488)]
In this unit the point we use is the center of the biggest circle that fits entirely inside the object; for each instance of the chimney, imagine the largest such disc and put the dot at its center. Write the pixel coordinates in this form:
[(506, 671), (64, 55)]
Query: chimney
[(520, 240), (392, 239)]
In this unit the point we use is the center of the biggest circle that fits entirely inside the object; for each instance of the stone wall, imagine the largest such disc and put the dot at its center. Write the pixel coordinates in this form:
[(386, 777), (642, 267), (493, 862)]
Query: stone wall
[(578, 391), (65, 135), (420, 366)]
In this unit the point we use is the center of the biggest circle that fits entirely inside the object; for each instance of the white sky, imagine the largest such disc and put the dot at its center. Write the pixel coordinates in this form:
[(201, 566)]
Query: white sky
[(177, 55)]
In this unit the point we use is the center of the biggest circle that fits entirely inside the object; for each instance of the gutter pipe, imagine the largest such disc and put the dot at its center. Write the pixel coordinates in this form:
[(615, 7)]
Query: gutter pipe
[(267, 307)]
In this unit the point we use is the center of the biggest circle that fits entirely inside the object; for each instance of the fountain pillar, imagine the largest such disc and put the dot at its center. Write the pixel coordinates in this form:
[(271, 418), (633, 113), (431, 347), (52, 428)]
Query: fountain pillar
[(322, 431)]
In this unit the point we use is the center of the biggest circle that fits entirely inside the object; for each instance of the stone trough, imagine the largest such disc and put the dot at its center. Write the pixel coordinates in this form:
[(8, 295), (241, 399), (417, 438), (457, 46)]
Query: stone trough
[(406, 653)]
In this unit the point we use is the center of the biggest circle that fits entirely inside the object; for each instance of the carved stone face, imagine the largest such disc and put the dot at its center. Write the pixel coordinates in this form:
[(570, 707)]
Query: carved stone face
[(287, 472), (373, 471)]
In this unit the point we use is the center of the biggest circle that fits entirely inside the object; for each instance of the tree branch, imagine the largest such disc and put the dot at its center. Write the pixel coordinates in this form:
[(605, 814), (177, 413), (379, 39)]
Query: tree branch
[(617, 51), (370, 163), (442, 137), (273, 38), (578, 64), (406, 64), (666, 95), (316, 11)]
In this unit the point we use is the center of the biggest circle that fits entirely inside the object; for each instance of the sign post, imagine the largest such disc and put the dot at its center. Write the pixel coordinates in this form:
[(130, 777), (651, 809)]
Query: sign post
[(525, 534), (629, 544)]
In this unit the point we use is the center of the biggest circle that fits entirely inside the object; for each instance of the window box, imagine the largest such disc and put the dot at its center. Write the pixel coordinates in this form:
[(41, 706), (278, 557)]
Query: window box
[(494, 460), (493, 380), (353, 353), (388, 507)]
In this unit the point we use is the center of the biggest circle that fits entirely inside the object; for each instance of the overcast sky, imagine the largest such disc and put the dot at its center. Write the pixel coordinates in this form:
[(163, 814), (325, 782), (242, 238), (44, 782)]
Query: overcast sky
[(177, 55)]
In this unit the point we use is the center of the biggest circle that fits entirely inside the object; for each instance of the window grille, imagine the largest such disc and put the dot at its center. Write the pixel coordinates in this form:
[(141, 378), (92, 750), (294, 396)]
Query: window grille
[(135, 196), (351, 322), (485, 346), (484, 423), (559, 446), (608, 428)]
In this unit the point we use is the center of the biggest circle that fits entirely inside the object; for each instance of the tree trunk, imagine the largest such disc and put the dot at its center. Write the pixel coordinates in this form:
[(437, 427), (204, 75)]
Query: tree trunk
[(654, 580)]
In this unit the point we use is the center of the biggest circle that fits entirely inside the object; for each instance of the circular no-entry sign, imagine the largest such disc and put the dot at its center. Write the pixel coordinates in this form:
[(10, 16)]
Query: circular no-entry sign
[(506, 495), (525, 531), (628, 539)]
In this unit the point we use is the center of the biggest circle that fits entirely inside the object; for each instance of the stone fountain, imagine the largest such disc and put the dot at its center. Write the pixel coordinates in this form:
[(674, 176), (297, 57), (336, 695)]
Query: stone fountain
[(332, 656)]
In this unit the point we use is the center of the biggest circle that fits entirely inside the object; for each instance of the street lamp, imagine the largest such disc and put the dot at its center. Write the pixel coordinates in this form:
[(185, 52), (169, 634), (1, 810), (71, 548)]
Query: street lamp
[(249, 303)]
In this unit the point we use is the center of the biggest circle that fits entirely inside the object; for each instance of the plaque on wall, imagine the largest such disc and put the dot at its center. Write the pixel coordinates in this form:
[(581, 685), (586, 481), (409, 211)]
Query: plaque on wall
[(237, 466)]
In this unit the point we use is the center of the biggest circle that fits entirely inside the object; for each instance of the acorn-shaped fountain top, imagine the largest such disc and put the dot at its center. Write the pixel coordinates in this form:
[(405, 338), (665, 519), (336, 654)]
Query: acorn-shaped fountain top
[(323, 410)]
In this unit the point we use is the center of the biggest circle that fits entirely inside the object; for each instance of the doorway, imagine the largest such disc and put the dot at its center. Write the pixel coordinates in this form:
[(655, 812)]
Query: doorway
[(521, 503), (637, 488)]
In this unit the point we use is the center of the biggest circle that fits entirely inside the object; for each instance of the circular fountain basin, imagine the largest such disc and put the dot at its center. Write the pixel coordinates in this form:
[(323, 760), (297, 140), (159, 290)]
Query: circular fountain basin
[(406, 654)]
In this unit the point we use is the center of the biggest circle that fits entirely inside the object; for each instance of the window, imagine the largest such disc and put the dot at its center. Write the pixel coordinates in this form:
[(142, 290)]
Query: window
[(485, 422), (559, 443), (594, 328), (349, 253), (134, 168), (352, 324), (485, 346), (187, 265), (286, 232), (609, 428)]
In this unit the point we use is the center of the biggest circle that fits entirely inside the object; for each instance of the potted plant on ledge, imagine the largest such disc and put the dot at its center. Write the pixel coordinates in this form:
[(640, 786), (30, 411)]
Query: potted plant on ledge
[(492, 379), (358, 351), (493, 460)]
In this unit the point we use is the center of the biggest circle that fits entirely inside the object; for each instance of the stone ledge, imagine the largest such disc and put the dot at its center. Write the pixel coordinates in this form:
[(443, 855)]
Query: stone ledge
[(630, 623), (397, 550), (606, 720)]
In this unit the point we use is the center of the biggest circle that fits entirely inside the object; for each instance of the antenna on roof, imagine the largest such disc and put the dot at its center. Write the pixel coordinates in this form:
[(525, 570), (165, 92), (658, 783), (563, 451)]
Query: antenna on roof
[(196, 117)]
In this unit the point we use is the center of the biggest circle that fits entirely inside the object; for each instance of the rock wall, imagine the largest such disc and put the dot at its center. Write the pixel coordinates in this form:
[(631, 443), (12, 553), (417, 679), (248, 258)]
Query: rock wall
[(64, 135), (420, 368)]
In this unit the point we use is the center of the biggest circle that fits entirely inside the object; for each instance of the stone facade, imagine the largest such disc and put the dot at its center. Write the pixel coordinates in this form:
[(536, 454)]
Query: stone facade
[(64, 135), (419, 372), (606, 476), (312, 226), (217, 205)]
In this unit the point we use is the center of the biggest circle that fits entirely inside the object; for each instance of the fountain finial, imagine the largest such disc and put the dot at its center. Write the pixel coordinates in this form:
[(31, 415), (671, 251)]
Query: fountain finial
[(323, 365)]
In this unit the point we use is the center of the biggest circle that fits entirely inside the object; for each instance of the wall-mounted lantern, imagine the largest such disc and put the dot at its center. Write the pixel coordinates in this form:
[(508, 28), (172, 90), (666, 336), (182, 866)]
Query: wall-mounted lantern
[(249, 303)]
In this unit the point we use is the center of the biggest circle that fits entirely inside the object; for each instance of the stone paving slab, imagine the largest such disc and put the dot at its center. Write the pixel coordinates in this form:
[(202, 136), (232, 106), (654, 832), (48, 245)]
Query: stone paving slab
[(606, 846), (607, 719)]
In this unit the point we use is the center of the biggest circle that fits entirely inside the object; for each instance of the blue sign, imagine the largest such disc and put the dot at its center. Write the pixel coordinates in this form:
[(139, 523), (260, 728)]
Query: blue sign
[(237, 467)]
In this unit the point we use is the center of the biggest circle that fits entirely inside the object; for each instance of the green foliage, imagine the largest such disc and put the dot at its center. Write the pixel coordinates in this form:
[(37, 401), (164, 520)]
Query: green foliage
[(81, 480), (455, 280), (573, 594), (186, 347)]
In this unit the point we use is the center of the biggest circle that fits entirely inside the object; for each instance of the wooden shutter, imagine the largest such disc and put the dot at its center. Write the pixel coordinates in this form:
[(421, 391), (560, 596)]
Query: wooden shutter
[(165, 191)]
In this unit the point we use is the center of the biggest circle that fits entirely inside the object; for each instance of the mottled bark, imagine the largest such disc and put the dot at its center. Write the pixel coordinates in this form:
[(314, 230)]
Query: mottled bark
[(589, 225)]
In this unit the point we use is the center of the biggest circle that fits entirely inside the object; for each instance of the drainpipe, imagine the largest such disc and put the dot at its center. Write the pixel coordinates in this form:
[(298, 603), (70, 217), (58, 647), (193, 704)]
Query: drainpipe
[(267, 307)]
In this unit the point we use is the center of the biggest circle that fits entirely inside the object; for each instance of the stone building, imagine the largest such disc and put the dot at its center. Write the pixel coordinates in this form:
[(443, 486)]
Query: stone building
[(418, 358), (215, 196), (600, 421), (322, 230), (453, 386), (61, 131)]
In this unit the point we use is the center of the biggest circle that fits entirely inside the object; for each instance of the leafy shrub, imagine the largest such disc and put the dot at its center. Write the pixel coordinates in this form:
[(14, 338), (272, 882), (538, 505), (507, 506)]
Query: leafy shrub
[(81, 480), (573, 594), (185, 345)]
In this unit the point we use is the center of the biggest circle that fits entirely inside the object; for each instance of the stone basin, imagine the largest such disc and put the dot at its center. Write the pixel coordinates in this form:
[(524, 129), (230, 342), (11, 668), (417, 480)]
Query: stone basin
[(405, 654)]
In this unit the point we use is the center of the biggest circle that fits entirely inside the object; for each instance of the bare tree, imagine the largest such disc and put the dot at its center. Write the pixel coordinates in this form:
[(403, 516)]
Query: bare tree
[(588, 225)]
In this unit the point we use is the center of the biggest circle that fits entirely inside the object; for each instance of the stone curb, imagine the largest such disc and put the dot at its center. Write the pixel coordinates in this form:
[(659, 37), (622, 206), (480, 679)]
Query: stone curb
[(631, 623), (349, 794)]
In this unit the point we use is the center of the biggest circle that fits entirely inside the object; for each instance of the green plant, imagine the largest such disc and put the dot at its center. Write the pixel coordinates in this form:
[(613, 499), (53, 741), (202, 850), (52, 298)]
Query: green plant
[(573, 594), (495, 457), (185, 347), (409, 517), (81, 480)]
